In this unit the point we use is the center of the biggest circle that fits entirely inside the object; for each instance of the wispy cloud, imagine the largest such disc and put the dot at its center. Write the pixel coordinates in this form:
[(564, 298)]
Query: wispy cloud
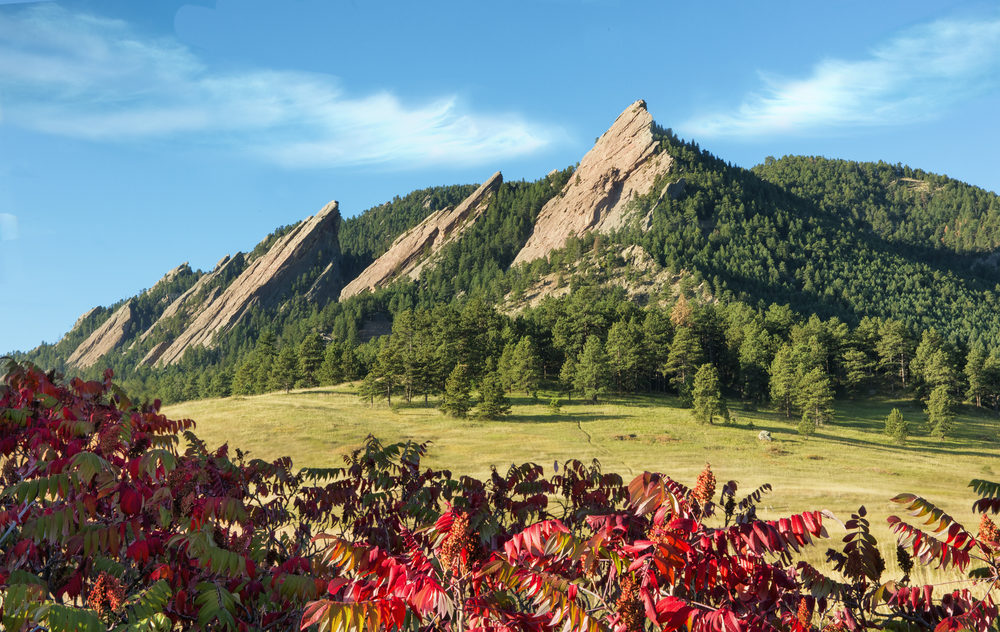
[(8, 227), (914, 76), (84, 76)]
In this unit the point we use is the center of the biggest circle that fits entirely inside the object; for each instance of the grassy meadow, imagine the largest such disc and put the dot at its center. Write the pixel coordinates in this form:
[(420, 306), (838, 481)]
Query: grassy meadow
[(846, 464)]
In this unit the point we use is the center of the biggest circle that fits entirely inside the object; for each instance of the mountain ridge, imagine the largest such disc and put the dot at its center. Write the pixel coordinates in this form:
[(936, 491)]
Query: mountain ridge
[(780, 232)]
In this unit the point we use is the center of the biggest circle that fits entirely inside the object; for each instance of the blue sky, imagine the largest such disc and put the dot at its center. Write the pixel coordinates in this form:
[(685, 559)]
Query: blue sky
[(138, 135)]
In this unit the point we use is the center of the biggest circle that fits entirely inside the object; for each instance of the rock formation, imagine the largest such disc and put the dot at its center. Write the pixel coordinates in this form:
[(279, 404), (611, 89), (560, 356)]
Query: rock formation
[(265, 281), (114, 332), (414, 248), (201, 293), (623, 163)]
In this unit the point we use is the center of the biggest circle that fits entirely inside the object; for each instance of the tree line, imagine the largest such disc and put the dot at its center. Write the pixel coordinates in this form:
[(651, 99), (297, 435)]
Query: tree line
[(592, 343)]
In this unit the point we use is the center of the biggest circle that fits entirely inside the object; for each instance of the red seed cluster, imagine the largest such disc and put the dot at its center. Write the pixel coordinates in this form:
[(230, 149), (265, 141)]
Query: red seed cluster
[(804, 615), (459, 538), (107, 595), (704, 487), (988, 532), (629, 606)]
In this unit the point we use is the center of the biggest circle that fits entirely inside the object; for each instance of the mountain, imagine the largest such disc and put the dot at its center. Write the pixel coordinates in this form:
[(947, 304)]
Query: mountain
[(645, 216), (413, 249), (625, 162), (266, 280)]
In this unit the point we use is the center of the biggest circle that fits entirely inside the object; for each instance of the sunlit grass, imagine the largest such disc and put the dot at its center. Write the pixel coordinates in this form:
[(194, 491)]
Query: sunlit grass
[(846, 464)]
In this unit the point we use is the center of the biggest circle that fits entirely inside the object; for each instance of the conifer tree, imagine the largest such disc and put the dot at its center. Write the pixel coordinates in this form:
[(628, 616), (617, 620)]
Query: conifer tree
[(754, 362), (367, 389), (656, 335), (567, 377), (706, 395), (221, 384), (940, 411), (244, 378), (526, 365), (285, 369), (857, 369), (893, 348), (685, 355), (625, 352), (593, 372), (505, 367), (310, 359), (975, 373), (680, 313), (896, 428), (784, 379), (814, 396), (493, 402), (457, 400), (332, 369)]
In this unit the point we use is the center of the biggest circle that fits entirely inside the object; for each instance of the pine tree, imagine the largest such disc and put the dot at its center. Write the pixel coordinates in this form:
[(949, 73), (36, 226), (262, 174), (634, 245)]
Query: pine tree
[(526, 366), (857, 369), (894, 349), (706, 395), (625, 352), (285, 369), (896, 428), (685, 355), (367, 389), (505, 367), (221, 384), (806, 426), (593, 372), (310, 360), (940, 412), (244, 378), (493, 402), (332, 369), (754, 362), (784, 379), (975, 373), (567, 377), (457, 400), (680, 314), (814, 396)]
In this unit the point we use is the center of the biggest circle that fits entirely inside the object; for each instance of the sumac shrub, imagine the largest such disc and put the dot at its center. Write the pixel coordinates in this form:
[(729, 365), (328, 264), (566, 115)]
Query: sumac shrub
[(115, 517)]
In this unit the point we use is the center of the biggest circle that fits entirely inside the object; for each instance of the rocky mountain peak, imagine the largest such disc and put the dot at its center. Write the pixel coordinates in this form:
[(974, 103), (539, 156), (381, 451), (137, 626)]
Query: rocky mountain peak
[(623, 163)]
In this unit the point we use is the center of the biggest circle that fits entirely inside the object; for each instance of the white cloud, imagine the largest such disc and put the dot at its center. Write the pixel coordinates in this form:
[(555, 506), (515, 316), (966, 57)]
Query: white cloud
[(89, 77), (915, 76), (8, 227)]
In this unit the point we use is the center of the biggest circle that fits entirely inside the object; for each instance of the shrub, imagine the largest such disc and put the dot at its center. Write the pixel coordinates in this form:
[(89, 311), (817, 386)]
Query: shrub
[(107, 524)]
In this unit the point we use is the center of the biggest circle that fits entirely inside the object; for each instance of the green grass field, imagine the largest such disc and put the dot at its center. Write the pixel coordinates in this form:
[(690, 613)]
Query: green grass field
[(846, 464)]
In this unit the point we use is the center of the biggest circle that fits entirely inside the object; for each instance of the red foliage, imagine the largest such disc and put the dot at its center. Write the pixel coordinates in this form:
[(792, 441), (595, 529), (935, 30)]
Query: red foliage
[(105, 522)]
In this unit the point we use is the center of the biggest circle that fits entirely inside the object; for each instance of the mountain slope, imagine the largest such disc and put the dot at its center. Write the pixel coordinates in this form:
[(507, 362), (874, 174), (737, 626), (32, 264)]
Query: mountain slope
[(827, 237)]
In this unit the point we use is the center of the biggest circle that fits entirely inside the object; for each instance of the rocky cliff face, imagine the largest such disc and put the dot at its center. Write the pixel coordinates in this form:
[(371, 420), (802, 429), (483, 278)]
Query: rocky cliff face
[(187, 305), (264, 282), (623, 164), (414, 249), (111, 335)]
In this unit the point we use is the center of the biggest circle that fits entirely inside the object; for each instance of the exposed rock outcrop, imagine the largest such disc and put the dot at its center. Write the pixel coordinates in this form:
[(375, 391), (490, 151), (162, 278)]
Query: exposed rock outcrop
[(623, 163), (264, 282), (112, 334), (201, 293), (154, 354), (413, 249)]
